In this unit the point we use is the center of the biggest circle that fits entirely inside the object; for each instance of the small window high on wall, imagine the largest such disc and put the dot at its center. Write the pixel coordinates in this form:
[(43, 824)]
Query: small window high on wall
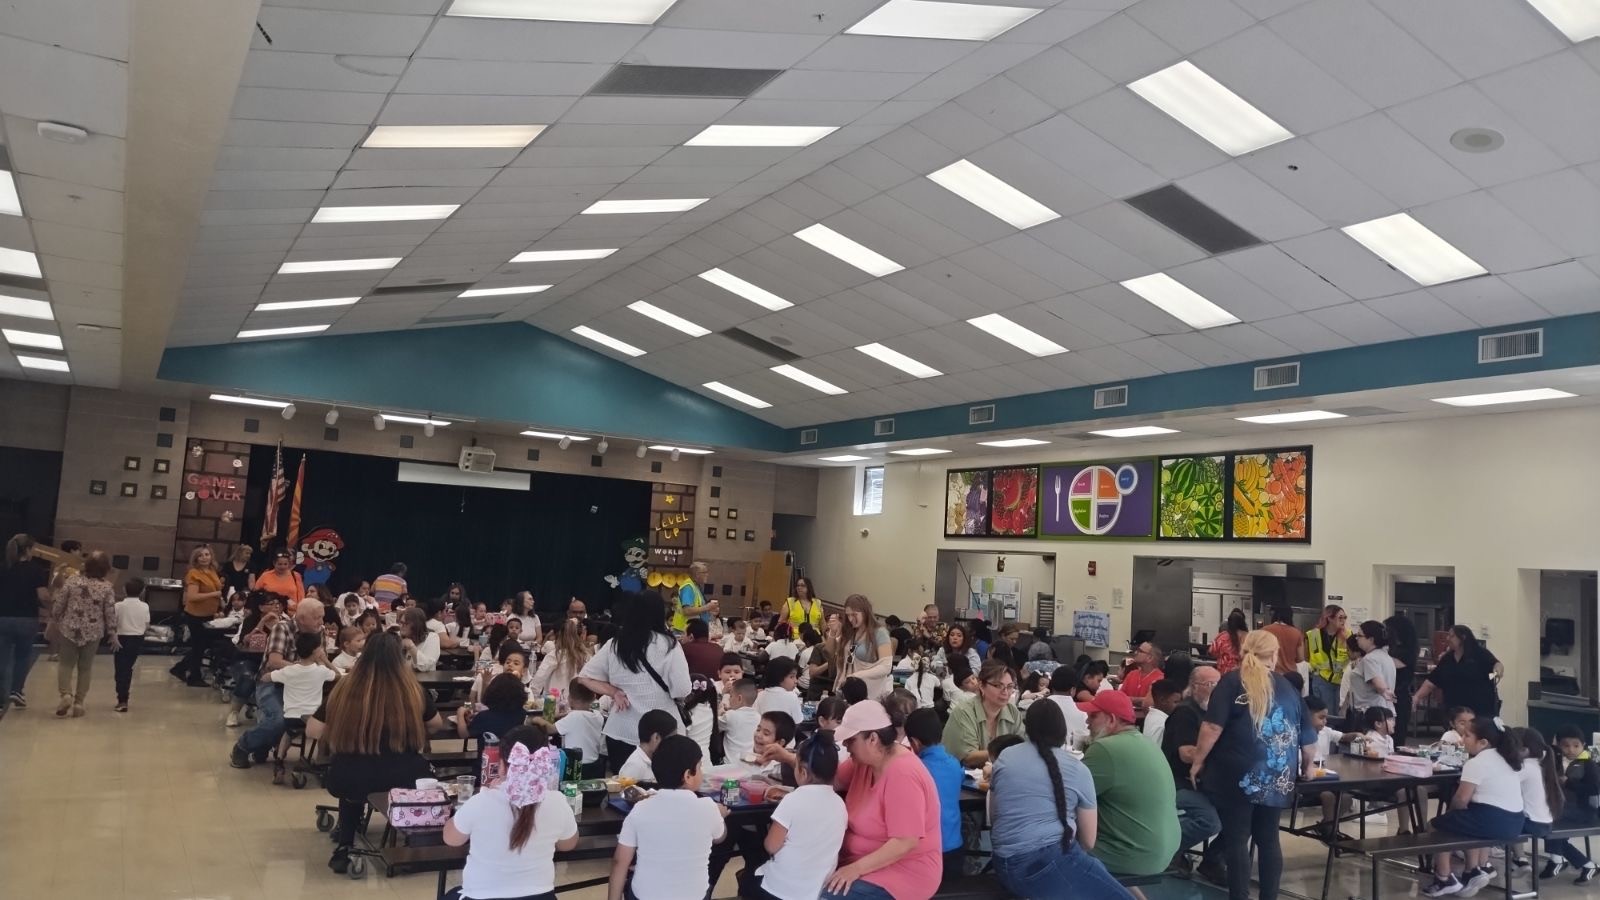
[(869, 490)]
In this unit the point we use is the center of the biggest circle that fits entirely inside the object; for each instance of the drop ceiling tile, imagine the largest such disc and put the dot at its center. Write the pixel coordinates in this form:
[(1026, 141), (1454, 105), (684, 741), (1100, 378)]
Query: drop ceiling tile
[(244, 216), (1211, 279), (81, 272), (1488, 301), (48, 200), (996, 269), (1250, 342), (648, 111), (839, 186), (358, 179), (1553, 97), (1347, 265), (1359, 323), (723, 49), (1059, 78), (1025, 252), (1563, 206), (468, 38), (569, 134), (489, 77), (1203, 349), (1140, 235), (760, 111), (1484, 229), (1101, 365), (1189, 25), (1251, 203), (895, 112), (814, 84), (1089, 249), (1261, 67), (281, 105), (1361, 47), (807, 201), (903, 224), (458, 109), (250, 133), (88, 91), (1434, 118), (77, 25), (271, 181), (1121, 49), (791, 269), (1378, 151), (1052, 26), (322, 71), (1161, 356), (1304, 334), (1086, 155), (1147, 134), (1132, 309), (875, 169), (935, 294), (915, 150), (957, 128), (1420, 313), (1284, 278), (983, 63), (867, 53), (1307, 176), (1565, 289), (889, 296), (1027, 171), (564, 175), (328, 31), (1476, 37)]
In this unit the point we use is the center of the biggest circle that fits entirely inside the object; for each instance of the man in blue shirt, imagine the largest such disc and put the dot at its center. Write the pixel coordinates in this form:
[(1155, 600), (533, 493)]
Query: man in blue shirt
[(926, 734)]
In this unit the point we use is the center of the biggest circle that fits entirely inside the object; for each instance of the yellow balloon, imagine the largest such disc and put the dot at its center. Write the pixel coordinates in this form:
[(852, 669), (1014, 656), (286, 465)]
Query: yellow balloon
[(669, 580), (654, 580)]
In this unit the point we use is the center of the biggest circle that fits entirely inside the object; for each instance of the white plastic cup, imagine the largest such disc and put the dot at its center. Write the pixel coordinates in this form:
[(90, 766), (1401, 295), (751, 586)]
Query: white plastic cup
[(424, 784)]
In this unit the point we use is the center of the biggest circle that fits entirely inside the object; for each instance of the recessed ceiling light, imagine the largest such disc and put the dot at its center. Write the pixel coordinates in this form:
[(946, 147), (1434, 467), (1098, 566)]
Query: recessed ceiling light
[(692, 451), (1017, 336), (652, 311), (332, 214), (606, 340), (529, 256), (305, 304), (736, 394), (1210, 110), (1135, 431), (757, 295), (25, 308), (274, 332), (338, 265), (411, 420), (550, 435), (31, 339), (626, 12), (504, 291), (1309, 415), (809, 380), (449, 137), (624, 207), (948, 21), (899, 360), (761, 135), (1526, 396), (44, 363), (1013, 442), (844, 458), (1579, 20), (993, 196), (249, 401), (1409, 246), (920, 451), (10, 203), (835, 244), (1178, 301), (19, 262)]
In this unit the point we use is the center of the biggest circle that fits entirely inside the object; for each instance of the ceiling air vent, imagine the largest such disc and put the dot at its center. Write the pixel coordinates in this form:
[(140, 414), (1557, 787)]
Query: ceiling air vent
[(1280, 376), (760, 345), (980, 415), (808, 436), (1511, 345), (882, 427), (1111, 397), (682, 81)]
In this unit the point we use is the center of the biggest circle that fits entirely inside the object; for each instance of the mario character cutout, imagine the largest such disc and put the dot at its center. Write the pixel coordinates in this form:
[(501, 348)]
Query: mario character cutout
[(632, 578), (318, 549)]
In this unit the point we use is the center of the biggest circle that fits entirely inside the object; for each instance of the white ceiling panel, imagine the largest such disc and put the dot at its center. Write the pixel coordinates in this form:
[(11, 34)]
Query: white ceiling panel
[(468, 38), (1304, 334), (1025, 252), (723, 49), (322, 71), (1189, 25), (1227, 288), (86, 90), (1359, 323), (1261, 67), (1347, 265), (815, 84), (1488, 301), (1281, 276), (1147, 134), (256, 133), (1139, 235), (1059, 78), (1090, 250), (283, 105), (1251, 203), (1564, 289), (1420, 313), (271, 181), (459, 109), (1090, 157), (1249, 341), (866, 53), (1357, 44), (1553, 97), (1121, 49), (1563, 206), (1307, 176), (1476, 37), (330, 31), (1433, 119), (1483, 228), (359, 179), (818, 17), (1380, 153), (491, 77)]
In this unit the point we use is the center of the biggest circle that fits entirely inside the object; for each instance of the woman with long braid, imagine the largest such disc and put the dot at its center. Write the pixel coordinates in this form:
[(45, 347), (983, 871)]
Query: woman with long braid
[(1042, 841)]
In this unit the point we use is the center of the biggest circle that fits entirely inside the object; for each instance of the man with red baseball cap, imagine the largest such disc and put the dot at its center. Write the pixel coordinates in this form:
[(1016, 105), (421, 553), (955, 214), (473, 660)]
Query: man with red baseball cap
[(1134, 790)]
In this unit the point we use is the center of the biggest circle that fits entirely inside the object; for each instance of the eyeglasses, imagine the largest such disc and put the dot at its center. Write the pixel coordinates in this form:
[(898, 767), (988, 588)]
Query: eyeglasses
[(1004, 687)]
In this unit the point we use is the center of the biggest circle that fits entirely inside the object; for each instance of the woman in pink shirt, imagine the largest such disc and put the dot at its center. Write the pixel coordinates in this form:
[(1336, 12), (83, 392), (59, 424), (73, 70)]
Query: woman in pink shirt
[(892, 844)]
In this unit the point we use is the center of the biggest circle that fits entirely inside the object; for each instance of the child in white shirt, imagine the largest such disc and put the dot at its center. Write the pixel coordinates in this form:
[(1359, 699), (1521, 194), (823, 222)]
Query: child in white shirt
[(1164, 697), (807, 827), (1487, 804), (352, 641), (739, 641), (133, 617), (739, 722), (700, 708), (580, 729), (782, 677), (1379, 740), (1460, 725), (302, 682), (670, 834), (654, 727)]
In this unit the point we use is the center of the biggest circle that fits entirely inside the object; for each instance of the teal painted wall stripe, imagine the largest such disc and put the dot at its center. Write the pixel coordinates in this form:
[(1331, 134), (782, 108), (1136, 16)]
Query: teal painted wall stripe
[(510, 372), (1569, 342)]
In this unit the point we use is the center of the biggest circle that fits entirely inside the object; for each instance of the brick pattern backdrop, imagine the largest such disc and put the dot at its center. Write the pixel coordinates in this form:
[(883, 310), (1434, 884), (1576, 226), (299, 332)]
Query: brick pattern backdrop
[(211, 504)]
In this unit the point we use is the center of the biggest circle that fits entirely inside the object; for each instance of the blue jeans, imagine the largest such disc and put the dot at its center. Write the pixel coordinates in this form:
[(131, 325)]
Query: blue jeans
[(1198, 820), (1050, 873), (244, 679), (16, 654), (861, 889), (269, 720)]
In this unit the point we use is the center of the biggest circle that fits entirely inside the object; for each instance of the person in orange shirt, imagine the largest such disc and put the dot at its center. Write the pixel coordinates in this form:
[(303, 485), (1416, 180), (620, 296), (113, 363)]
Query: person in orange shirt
[(283, 580), (202, 597), (1291, 640)]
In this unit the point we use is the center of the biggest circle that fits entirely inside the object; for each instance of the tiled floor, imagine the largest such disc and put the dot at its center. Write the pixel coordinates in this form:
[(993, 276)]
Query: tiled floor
[(143, 806)]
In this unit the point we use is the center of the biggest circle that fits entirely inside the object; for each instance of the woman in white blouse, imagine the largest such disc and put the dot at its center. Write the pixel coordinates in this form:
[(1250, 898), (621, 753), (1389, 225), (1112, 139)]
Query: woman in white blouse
[(421, 645), (641, 669)]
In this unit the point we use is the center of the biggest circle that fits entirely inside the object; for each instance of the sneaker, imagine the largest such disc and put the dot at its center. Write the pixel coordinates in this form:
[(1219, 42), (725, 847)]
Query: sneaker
[(1521, 862), (77, 710), (121, 707), (1553, 867), (19, 701), (238, 758), (1442, 887), (64, 707), (233, 720), (1475, 880), (1213, 871), (339, 862), (1587, 874)]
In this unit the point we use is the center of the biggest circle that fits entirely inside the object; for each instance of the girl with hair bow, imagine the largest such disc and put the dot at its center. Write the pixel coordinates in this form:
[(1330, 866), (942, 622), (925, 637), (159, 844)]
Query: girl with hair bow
[(517, 833)]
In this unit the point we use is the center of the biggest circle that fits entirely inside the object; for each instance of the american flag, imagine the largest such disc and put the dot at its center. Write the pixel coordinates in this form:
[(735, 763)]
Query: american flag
[(275, 494), (293, 537)]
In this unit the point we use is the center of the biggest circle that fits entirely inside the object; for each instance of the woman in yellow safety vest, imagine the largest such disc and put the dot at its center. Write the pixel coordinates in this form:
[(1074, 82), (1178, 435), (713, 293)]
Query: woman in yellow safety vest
[(1328, 653), (803, 608)]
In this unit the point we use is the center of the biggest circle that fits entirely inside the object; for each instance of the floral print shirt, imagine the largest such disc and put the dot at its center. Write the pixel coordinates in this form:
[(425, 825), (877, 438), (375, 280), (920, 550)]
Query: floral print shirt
[(84, 609), (1260, 763)]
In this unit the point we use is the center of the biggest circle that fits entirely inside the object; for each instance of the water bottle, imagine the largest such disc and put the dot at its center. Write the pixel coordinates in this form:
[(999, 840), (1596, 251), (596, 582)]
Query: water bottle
[(574, 799), (492, 771), (730, 792)]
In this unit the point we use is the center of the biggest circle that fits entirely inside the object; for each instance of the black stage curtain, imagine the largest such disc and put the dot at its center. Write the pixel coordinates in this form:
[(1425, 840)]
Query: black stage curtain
[(30, 481), (559, 539)]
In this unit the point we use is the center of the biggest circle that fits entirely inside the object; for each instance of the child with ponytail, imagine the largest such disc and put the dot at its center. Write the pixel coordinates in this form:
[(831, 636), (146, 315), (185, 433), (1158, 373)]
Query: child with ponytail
[(1488, 804), (1541, 786), (807, 828)]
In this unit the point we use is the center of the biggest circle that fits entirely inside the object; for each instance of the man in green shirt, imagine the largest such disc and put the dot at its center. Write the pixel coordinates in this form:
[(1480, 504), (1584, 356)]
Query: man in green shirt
[(1133, 788)]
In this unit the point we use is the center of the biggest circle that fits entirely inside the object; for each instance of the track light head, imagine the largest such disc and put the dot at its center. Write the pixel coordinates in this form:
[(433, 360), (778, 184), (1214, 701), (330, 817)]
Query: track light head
[(674, 454), (287, 412), (641, 451), (378, 424), (602, 447), (427, 430), (564, 443), (332, 418)]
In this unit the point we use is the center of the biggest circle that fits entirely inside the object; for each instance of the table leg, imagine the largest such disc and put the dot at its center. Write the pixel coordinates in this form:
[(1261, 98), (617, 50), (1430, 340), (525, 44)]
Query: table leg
[(1333, 842), (442, 881)]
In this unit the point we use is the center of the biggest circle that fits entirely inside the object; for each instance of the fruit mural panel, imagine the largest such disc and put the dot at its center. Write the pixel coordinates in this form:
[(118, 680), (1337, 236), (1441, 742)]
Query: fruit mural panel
[(966, 503), (1014, 502), (1194, 497), (1271, 495)]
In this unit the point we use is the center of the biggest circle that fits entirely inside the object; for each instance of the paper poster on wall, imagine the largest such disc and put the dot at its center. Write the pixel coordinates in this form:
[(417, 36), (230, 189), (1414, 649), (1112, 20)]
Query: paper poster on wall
[(986, 590), (1093, 628), (1193, 497), (1272, 495), (1099, 500), (966, 503), (1014, 502)]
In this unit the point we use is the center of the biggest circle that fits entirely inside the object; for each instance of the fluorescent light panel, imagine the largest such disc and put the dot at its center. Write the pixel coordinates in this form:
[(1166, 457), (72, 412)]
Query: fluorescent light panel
[(1135, 431), (1206, 107), (845, 458), (39, 339), (993, 196), (450, 137), (551, 435), (606, 340), (1014, 442), (1527, 396), (1179, 301), (835, 244), (19, 262), (809, 380), (920, 451), (625, 207), (338, 265), (275, 332), (10, 203), (1579, 20), (692, 451), (1309, 415), (334, 214), (249, 401), (761, 135), (947, 21), (626, 12), (1017, 336), (305, 304), (736, 394), (504, 291), (24, 308), (899, 360), (650, 310), (529, 256), (411, 420), (43, 363), (1409, 246), (758, 295)]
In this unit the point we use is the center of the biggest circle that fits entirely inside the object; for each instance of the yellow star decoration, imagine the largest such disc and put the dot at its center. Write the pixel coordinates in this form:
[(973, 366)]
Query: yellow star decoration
[(669, 499)]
